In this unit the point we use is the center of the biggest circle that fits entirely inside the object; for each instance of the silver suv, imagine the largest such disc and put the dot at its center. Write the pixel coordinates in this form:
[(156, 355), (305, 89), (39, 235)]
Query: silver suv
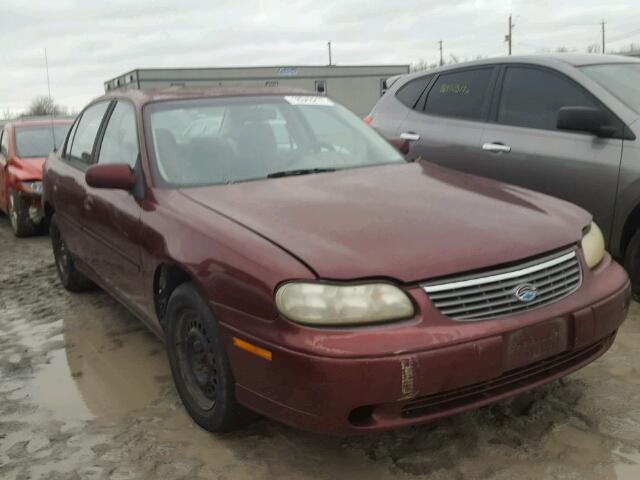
[(566, 125)]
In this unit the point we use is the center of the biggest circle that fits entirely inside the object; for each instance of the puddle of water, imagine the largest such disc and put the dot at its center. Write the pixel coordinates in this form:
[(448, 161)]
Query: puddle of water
[(630, 469), (54, 389)]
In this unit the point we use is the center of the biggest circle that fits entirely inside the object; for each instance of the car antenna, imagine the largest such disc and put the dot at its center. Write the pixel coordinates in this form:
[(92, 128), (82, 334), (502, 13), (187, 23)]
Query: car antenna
[(51, 105)]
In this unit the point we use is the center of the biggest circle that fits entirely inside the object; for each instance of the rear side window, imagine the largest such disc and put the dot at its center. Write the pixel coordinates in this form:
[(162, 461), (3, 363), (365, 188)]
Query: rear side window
[(410, 93), (460, 94), (532, 98), (86, 132), (120, 141)]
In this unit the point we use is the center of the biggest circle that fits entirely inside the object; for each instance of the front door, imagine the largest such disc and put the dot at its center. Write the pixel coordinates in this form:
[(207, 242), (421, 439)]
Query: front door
[(524, 147), (111, 218)]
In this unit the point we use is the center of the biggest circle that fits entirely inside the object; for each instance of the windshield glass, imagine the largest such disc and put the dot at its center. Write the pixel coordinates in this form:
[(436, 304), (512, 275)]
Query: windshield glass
[(225, 140), (37, 141), (622, 80)]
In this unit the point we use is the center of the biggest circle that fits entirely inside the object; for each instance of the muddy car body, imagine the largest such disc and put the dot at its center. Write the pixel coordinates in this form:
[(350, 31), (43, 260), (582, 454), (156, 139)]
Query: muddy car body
[(25, 144), (327, 296)]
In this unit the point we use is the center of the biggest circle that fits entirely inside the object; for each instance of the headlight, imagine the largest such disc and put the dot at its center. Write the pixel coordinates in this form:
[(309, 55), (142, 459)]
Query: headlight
[(593, 245), (34, 187), (327, 304)]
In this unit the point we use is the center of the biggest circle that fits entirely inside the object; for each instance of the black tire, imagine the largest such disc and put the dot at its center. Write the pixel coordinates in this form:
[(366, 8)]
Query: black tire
[(199, 363), (71, 279), (18, 213), (632, 263)]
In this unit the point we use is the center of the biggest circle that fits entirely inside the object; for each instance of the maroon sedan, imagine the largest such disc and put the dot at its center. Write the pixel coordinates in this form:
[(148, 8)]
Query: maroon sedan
[(297, 266)]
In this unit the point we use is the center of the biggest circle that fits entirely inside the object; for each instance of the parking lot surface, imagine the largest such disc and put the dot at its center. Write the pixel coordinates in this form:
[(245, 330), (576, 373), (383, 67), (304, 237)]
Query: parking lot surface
[(86, 393)]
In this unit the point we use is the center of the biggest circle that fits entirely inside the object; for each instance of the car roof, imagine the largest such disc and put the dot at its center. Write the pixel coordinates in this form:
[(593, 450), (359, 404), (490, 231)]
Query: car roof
[(549, 60), (36, 121), (144, 96)]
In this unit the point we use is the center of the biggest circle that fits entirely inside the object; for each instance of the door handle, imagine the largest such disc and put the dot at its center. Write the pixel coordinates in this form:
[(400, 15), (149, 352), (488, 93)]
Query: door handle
[(496, 148), (411, 136)]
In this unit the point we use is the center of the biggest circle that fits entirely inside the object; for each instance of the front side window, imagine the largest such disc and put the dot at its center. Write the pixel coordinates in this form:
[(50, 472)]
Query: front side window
[(225, 140), (120, 141), (460, 94), (38, 141), (622, 80), (4, 142), (85, 135), (532, 98)]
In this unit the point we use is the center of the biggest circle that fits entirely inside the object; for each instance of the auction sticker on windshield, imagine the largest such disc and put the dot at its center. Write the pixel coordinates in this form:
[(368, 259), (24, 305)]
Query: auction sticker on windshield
[(309, 100)]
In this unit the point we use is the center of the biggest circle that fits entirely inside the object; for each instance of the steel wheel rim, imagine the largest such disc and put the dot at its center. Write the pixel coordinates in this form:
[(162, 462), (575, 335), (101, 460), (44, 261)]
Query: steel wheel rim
[(63, 256), (196, 360), (13, 213)]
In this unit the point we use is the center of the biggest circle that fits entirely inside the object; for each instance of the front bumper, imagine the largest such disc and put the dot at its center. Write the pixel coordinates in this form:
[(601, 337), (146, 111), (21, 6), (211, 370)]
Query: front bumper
[(460, 367)]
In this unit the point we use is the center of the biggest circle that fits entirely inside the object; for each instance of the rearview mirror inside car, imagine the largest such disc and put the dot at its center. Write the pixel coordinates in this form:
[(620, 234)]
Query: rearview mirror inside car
[(586, 119), (117, 176)]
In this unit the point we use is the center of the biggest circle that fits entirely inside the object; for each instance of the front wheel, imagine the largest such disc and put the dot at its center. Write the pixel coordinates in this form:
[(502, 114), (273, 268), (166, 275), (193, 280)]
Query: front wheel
[(18, 210), (199, 364), (632, 264)]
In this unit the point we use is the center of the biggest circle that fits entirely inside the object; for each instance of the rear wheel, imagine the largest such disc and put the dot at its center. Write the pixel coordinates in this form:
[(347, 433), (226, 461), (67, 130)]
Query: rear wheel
[(18, 210), (71, 279), (199, 363)]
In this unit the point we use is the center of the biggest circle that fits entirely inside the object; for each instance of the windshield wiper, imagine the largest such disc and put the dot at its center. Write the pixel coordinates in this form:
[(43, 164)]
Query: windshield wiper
[(301, 171)]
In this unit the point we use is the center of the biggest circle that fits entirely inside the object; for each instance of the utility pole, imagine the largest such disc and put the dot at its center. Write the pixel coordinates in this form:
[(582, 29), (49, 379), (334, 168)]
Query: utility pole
[(603, 44), (329, 45), (441, 61), (508, 37)]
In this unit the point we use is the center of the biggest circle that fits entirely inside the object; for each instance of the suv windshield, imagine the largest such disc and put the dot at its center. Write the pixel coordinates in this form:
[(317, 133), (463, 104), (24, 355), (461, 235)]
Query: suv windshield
[(621, 79), (224, 140), (37, 141)]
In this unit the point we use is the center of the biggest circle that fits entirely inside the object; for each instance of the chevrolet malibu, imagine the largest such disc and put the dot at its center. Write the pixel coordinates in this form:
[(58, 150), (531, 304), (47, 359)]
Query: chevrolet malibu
[(24, 146), (297, 266)]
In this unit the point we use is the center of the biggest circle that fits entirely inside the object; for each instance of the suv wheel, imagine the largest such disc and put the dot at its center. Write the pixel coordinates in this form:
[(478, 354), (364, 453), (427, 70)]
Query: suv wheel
[(18, 210), (199, 363), (71, 279), (632, 264)]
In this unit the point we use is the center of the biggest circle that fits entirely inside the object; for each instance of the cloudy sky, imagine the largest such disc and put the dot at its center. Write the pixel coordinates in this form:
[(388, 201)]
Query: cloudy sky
[(90, 41)]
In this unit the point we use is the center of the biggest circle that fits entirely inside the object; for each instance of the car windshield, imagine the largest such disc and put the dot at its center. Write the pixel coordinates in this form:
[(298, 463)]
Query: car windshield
[(621, 79), (225, 140), (37, 141)]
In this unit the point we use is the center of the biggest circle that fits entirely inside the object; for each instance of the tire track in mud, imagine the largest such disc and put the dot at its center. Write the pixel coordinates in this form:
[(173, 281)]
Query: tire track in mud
[(86, 393)]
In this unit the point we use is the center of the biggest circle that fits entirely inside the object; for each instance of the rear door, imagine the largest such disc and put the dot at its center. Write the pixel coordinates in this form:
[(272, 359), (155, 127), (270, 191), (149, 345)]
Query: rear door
[(446, 125), (523, 146), (111, 218), (68, 185)]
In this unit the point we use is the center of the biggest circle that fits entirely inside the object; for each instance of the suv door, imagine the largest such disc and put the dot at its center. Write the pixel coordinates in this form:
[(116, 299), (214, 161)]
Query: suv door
[(446, 124), (4, 158), (523, 146), (68, 185), (111, 218)]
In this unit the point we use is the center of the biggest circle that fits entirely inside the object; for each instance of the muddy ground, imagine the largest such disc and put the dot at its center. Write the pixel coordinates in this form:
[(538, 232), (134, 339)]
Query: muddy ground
[(86, 393)]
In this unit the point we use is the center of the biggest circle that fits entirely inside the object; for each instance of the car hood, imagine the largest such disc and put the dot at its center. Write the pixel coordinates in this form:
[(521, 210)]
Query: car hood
[(27, 168), (408, 222)]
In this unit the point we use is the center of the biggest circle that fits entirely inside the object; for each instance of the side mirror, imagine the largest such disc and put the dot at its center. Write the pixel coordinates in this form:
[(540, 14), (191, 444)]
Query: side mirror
[(117, 176), (586, 119), (400, 144)]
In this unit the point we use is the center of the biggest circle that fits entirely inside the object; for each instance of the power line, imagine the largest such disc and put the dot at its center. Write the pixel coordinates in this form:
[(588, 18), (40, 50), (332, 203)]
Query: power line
[(441, 61)]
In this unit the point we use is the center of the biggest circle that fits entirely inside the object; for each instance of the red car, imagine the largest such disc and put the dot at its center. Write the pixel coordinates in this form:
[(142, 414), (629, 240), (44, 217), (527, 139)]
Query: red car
[(299, 267), (24, 147)]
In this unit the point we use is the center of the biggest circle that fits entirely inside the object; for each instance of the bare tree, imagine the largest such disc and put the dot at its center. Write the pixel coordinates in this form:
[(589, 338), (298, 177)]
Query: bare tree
[(593, 48), (7, 114), (43, 106)]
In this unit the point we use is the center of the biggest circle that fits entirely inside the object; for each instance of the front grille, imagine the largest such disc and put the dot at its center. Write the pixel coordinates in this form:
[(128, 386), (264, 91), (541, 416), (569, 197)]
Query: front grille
[(492, 293), (507, 382)]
